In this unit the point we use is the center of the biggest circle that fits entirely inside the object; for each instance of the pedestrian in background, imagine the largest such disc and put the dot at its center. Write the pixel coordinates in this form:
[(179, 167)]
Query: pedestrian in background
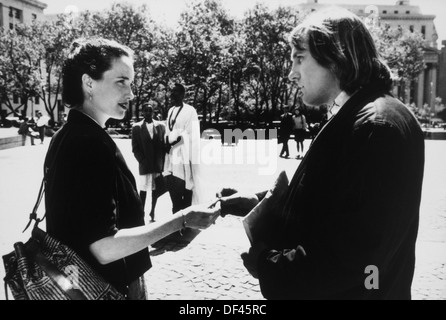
[(41, 124), (286, 128), (26, 131), (92, 202), (349, 221), (182, 168), (148, 146), (300, 132)]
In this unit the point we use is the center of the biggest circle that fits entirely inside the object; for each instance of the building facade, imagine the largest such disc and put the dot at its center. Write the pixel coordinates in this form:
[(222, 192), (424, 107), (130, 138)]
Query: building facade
[(14, 12), (402, 14), (442, 73)]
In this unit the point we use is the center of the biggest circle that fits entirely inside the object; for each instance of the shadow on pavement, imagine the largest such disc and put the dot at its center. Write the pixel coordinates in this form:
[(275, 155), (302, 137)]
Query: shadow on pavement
[(174, 242)]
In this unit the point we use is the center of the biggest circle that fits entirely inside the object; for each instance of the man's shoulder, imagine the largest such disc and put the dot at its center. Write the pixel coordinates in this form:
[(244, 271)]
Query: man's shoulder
[(158, 123), (386, 110), (189, 107), (138, 124)]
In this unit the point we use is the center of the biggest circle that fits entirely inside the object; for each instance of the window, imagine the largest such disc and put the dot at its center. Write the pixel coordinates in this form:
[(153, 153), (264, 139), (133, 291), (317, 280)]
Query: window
[(34, 16), (37, 100), (408, 12), (384, 11), (412, 29), (423, 31), (11, 26), (18, 14), (11, 12), (396, 12)]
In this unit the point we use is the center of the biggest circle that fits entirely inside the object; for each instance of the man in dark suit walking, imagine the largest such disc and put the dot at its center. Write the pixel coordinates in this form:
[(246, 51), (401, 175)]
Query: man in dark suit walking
[(148, 148)]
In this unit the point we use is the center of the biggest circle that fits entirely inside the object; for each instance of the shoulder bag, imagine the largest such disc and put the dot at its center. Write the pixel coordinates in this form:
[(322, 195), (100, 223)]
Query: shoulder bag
[(43, 268)]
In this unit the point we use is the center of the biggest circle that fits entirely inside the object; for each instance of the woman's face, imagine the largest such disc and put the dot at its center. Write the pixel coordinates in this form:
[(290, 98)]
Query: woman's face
[(111, 94)]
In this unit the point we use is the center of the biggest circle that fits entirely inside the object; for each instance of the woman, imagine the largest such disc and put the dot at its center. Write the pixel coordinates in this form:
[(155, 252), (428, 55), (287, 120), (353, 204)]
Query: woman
[(300, 131), (91, 197)]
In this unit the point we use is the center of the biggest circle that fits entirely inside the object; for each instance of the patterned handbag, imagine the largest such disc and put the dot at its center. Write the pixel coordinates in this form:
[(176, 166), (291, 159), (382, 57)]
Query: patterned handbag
[(43, 268)]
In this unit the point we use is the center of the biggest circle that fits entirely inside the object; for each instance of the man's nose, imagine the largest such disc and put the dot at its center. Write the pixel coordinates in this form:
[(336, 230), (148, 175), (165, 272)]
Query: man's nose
[(294, 75)]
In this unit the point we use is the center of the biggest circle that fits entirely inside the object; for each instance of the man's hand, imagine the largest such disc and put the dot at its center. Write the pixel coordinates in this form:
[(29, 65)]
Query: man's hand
[(250, 259), (236, 203)]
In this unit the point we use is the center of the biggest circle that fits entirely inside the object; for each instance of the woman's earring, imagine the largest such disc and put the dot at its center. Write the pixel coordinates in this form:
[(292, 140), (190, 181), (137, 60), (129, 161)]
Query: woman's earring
[(90, 96)]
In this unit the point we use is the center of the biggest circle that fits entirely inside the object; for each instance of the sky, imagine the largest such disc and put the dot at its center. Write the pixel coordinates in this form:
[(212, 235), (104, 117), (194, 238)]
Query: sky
[(169, 10)]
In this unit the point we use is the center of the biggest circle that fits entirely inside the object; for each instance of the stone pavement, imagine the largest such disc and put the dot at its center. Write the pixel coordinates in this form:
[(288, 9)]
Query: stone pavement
[(206, 265), (208, 268)]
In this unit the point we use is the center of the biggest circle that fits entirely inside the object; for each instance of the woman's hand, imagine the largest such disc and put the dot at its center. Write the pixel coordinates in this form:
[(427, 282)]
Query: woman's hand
[(201, 216)]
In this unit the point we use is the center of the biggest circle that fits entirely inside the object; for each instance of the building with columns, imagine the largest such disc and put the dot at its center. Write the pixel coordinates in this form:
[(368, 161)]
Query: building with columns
[(432, 81), (442, 73)]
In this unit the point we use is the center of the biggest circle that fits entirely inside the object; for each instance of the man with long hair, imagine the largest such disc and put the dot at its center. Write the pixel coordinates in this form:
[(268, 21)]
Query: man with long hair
[(349, 221)]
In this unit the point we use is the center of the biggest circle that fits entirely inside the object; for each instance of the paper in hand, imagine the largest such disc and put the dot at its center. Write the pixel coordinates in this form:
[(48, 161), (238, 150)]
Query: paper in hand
[(258, 222)]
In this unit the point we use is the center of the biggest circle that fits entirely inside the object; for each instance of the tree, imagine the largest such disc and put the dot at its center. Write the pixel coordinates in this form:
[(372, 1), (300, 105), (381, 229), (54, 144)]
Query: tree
[(56, 37), (19, 64), (403, 51), (200, 41), (135, 28), (268, 51)]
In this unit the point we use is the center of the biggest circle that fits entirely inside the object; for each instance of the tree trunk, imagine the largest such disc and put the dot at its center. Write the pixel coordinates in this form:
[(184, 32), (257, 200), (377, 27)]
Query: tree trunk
[(217, 114)]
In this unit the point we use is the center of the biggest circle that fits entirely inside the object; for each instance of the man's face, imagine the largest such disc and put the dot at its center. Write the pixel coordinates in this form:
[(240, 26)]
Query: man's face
[(318, 84), (176, 96), (147, 113)]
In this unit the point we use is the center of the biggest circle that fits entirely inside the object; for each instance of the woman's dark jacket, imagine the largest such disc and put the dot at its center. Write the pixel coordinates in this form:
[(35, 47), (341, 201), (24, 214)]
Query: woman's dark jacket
[(91, 194), (352, 204)]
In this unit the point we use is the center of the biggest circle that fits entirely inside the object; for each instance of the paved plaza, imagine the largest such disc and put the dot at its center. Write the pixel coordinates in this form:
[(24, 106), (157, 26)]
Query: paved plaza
[(206, 265)]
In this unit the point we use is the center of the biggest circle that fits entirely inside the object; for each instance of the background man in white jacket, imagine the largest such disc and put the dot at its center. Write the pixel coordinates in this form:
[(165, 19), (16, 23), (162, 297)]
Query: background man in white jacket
[(183, 158)]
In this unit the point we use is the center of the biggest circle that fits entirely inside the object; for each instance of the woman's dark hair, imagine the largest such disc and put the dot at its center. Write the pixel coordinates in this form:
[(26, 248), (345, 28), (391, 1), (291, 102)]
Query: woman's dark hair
[(340, 41), (88, 56)]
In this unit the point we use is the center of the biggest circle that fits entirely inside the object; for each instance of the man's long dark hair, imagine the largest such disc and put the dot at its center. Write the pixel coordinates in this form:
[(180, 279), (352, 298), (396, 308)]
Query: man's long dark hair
[(340, 41)]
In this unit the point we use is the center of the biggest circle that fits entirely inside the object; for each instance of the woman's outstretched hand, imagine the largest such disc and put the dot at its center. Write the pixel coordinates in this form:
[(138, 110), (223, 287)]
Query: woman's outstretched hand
[(201, 216)]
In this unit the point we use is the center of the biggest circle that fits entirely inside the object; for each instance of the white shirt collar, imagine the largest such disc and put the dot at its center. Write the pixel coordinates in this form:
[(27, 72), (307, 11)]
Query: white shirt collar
[(342, 99), (339, 102)]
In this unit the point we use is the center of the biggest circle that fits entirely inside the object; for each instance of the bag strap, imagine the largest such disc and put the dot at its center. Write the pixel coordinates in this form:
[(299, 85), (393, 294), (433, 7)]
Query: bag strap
[(6, 289), (33, 214)]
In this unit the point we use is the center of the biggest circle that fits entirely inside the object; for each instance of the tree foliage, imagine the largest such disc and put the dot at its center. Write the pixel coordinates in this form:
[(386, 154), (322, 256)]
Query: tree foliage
[(403, 51), (234, 69)]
